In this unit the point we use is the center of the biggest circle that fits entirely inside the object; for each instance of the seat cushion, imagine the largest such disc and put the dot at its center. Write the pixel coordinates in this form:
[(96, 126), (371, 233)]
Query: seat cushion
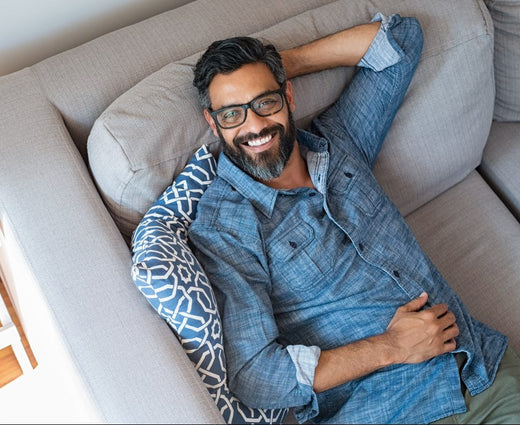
[(474, 241)]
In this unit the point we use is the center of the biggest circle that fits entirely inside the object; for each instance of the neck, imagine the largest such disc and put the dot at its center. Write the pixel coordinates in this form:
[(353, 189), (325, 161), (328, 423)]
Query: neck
[(294, 175)]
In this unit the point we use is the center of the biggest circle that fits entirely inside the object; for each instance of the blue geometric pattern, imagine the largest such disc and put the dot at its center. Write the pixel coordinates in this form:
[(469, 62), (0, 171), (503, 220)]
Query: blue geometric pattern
[(167, 273)]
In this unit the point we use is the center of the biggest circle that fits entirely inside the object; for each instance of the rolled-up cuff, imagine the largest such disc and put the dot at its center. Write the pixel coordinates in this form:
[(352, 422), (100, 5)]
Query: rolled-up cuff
[(305, 360), (383, 51)]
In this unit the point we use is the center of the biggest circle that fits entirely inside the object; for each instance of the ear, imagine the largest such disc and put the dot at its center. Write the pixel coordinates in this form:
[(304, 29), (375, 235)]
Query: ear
[(289, 95), (211, 122)]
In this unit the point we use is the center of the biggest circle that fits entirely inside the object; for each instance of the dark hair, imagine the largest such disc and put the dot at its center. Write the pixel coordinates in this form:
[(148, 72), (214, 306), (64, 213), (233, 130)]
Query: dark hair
[(226, 56)]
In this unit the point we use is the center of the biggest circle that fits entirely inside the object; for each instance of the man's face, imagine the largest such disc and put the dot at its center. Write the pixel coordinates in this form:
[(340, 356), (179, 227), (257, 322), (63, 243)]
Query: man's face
[(261, 146)]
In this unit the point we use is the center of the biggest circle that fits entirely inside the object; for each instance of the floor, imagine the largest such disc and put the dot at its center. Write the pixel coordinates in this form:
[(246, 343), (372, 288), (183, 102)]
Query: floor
[(45, 395), (9, 367)]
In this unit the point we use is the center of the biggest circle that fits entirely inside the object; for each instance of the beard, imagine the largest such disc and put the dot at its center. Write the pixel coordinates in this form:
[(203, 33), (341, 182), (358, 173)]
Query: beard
[(265, 165)]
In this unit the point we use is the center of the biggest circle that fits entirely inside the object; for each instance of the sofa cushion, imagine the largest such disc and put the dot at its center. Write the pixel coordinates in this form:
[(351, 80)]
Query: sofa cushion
[(500, 163), (174, 283), (474, 241), (506, 20), (143, 139)]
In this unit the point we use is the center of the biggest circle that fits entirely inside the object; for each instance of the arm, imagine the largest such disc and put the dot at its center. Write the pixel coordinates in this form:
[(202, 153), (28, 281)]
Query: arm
[(412, 336), (345, 48), (366, 109), (262, 373)]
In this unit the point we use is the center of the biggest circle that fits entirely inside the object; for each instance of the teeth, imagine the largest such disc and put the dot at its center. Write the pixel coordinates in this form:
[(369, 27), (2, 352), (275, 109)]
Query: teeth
[(260, 142)]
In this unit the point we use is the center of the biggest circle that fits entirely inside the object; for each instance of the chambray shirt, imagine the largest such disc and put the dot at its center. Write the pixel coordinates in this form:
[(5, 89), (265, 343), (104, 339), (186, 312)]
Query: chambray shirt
[(300, 271)]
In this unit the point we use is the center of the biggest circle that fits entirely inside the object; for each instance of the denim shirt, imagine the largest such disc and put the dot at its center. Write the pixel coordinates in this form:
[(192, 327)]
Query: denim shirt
[(300, 271)]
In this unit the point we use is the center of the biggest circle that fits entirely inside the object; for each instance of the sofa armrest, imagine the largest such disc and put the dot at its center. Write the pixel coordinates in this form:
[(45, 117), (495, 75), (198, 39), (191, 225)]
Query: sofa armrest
[(500, 163), (127, 365)]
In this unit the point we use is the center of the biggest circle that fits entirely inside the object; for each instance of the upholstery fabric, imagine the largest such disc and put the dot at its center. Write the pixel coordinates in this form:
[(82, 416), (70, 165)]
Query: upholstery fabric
[(133, 371), (500, 164), (168, 274), (78, 267), (506, 21), (474, 241), (148, 133), (108, 66)]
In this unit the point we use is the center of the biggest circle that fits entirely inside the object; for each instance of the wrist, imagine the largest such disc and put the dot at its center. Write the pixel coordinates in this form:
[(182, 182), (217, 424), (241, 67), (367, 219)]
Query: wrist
[(388, 353)]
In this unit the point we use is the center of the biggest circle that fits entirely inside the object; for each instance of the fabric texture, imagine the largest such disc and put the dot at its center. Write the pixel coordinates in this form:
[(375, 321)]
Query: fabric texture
[(75, 254), (282, 258), (117, 61), (506, 21), (500, 163), (474, 253), (72, 267), (172, 280), (164, 108), (499, 404)]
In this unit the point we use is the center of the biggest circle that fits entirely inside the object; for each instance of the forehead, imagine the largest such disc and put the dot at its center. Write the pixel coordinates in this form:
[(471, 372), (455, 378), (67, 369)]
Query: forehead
[(241, 86)]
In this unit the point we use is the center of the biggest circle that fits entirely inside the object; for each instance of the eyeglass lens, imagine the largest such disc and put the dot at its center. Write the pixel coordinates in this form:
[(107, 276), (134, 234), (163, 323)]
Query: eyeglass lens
[(265, 105)]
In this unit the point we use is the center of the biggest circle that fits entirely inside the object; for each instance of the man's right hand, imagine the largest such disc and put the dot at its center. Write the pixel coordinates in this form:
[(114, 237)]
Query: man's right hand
[(419, 335), (413, 336)]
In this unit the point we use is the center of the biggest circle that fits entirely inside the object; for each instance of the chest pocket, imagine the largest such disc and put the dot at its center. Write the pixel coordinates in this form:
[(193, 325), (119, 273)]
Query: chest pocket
[(356, 183), (296, 258)]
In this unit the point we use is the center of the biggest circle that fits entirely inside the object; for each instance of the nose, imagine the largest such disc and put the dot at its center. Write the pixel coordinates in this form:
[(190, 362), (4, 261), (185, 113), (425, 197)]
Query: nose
[(254, 123)]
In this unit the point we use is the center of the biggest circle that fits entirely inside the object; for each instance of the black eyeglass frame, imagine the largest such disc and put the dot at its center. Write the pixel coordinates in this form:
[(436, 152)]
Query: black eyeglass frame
[(249, 105)]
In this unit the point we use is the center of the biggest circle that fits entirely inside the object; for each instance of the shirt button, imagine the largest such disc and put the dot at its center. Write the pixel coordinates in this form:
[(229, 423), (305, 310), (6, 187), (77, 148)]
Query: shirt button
[(348, 175), (293, 244), (312, 194), (361, 247), (396, 273)]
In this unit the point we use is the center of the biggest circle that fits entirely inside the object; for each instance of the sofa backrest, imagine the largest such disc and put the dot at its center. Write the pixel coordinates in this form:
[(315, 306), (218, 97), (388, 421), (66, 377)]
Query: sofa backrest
[(146, 136), (506, 20), (84, 81)]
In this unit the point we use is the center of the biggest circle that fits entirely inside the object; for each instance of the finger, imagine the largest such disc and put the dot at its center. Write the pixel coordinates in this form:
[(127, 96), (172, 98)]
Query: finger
[(417, 303), (447, 320), (451, 332), (439, 310), (450, 345)]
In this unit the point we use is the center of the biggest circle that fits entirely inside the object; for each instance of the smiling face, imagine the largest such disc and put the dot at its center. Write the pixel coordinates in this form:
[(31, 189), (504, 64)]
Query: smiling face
[(261, 146)]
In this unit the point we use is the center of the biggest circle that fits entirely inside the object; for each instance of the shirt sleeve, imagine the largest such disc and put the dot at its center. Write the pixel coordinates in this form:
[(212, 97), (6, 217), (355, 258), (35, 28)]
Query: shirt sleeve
[(381, 53), (367, 107), (262, 373)]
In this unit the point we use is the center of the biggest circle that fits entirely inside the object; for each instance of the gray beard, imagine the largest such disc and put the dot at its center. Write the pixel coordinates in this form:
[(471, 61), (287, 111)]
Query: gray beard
[(266, 165)]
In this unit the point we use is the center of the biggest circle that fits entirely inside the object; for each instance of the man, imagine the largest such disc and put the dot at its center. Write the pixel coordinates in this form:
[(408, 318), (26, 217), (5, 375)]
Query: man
[(327, 301)]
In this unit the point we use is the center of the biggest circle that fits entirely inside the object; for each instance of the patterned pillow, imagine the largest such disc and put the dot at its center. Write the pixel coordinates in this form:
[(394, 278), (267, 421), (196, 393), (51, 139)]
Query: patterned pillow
[(172, 280)]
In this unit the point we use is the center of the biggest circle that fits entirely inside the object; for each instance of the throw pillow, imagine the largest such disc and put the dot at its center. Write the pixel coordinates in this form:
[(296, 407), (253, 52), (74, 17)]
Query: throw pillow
[(168, 274)]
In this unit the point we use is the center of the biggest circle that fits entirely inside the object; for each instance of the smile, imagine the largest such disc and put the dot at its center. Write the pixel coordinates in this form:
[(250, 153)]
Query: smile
[(260, 141)]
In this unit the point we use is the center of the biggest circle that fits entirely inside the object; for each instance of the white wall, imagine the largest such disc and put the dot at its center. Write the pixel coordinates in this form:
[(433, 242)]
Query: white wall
[(31, 30)]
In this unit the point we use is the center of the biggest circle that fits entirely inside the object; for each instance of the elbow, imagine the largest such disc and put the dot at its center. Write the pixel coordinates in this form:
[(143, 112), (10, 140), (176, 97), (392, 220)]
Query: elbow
[(411, 40), (255, 392), (269, 391)]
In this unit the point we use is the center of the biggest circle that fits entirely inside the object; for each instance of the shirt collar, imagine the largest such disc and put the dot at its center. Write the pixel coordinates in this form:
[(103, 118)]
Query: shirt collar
[(261, 196)]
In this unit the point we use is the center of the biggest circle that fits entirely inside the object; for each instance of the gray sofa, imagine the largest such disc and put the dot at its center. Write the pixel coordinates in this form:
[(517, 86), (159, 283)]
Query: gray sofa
[(91, 137)]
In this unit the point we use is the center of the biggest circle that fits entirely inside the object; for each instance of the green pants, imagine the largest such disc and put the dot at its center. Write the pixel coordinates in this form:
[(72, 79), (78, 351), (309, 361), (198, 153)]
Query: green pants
[(500, 403)]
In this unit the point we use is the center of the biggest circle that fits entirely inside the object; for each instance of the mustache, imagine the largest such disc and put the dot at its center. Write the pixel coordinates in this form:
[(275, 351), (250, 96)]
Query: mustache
[(240, 140)]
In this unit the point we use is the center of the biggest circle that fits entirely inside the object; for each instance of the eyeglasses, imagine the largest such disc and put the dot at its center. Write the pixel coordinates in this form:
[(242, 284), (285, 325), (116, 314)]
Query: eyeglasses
[(264, 105)]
